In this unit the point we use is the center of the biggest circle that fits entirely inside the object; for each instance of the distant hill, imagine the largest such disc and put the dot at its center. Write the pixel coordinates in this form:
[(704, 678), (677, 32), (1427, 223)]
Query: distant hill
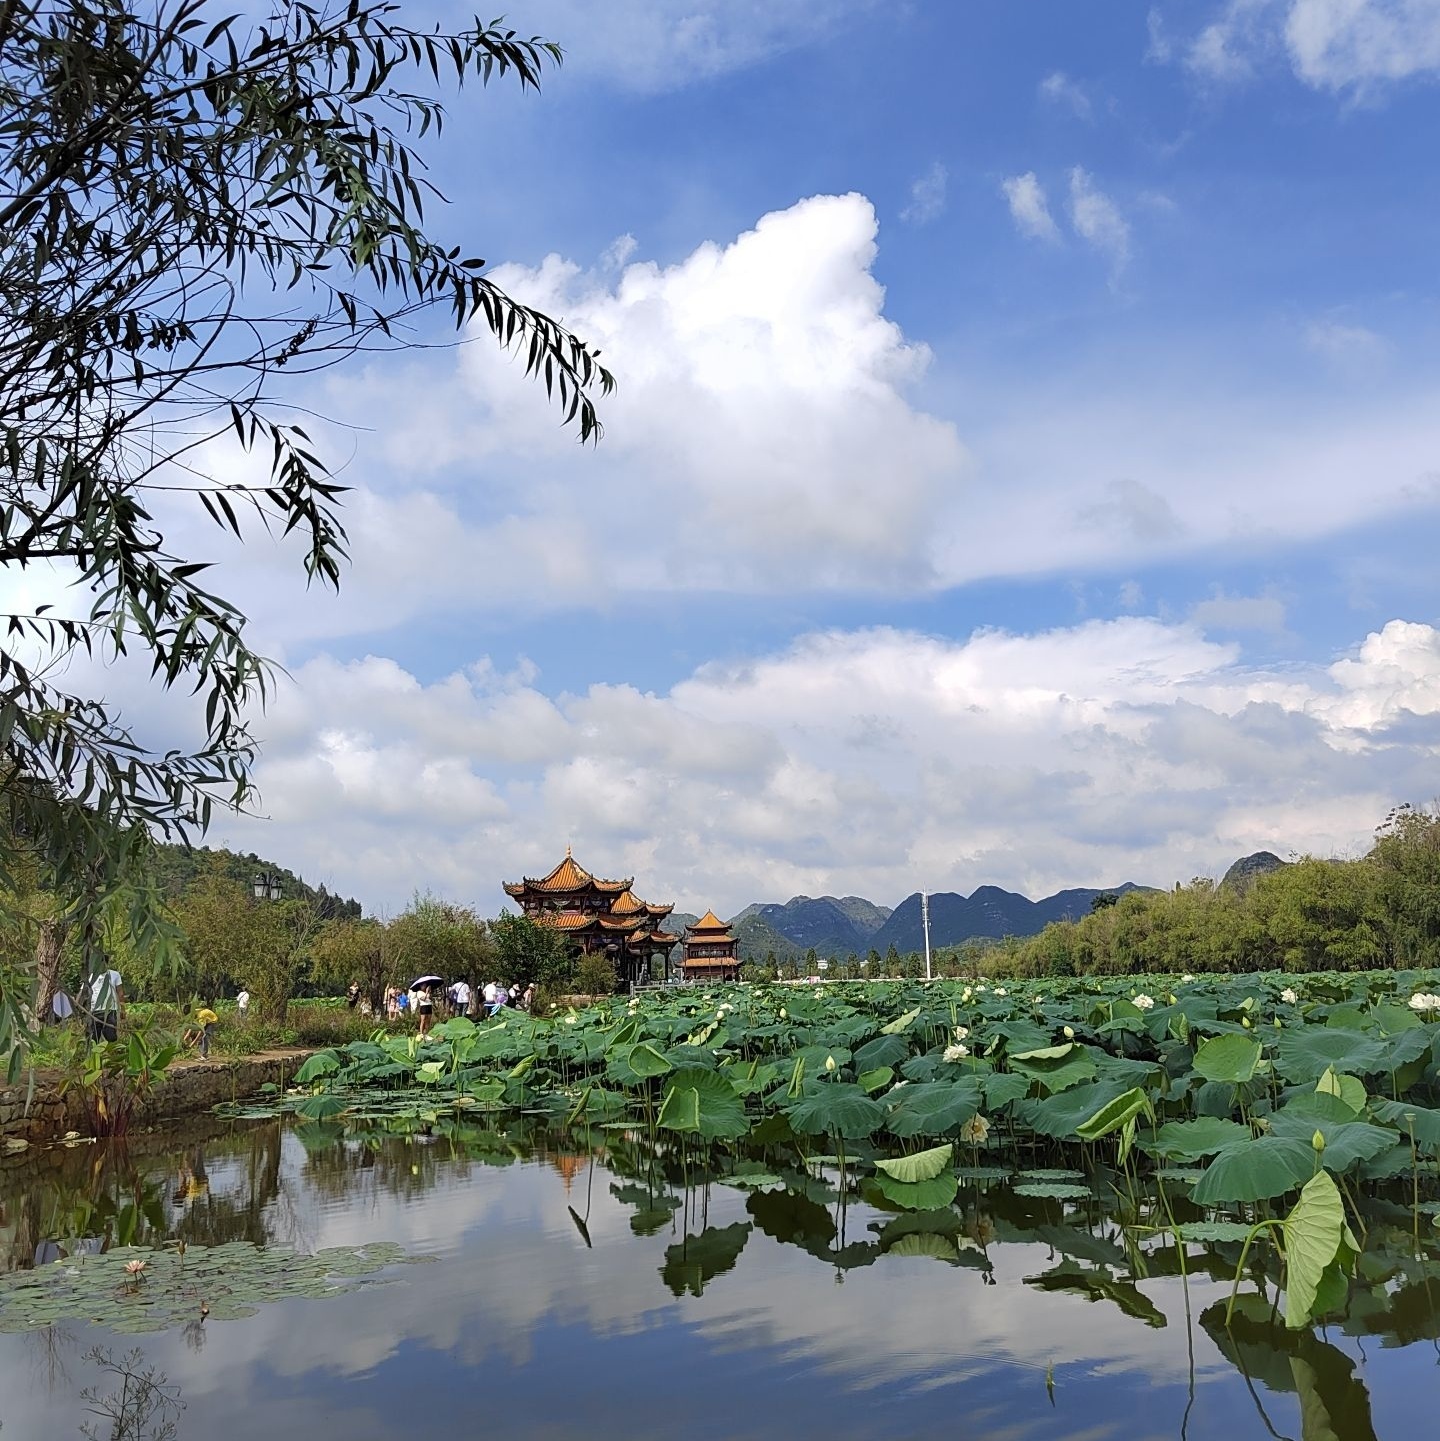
[(990, 913), (179, 867), (1248, 869), (833, 926), (758, 938)]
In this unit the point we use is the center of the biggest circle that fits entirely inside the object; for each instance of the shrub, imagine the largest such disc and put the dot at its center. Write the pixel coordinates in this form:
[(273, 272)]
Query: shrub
[(595, 976)]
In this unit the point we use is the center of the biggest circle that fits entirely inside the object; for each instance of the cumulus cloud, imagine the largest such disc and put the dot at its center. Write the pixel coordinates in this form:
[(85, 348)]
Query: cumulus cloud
[(853, 762), (1029, 208), (767, 438), (1059, 89), (1098, 221), (927, 196)]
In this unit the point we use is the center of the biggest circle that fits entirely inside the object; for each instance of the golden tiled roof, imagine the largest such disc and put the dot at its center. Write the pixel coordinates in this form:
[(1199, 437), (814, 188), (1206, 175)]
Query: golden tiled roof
[(710, 922), (620, 923), (628, 904), (564, 920), (569, 875), (659, 912)]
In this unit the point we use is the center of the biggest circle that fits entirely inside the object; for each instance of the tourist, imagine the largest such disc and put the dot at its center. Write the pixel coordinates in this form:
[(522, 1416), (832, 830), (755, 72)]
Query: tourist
[(489, 993), (460, 997), (107, 1000), (242, 1004), (499, 996), (527, 998), (392, 1003), (402, 1004), (352, 996), (205, 1018), (424, 1008)]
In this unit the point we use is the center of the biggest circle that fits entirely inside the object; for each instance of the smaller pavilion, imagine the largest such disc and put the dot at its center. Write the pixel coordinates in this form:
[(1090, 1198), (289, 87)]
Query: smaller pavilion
[(711, 952)]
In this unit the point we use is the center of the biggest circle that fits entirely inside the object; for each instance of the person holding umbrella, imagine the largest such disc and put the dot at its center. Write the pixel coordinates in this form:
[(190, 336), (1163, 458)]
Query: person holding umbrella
[(424, 1000)]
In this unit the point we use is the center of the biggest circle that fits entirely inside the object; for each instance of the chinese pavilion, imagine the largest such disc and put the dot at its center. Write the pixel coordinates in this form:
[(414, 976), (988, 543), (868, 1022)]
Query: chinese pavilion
[(711, 952), (599, 916)]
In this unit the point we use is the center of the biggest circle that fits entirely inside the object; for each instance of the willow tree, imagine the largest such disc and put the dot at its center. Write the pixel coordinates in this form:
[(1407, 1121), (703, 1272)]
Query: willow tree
[(194, 205)]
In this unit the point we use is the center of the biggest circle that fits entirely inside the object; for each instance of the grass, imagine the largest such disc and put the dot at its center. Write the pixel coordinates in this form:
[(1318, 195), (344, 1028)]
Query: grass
[(308, 1023)]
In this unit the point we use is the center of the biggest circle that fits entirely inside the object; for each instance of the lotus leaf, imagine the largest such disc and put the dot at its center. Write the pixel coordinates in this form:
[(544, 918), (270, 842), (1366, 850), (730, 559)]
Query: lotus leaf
[(928, 1195), (1229, 1060), (1256, 1171), (1114, 1114), (836, 1108), (1313, 1234), (1191, 1140), (703, 1103), (932, 1108), (919, 1165)]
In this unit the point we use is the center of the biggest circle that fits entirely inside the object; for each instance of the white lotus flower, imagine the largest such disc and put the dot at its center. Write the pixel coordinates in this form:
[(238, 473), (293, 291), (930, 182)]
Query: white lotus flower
[(1142, 1002), (1288, 996), (999, 990), (1069, 1033), (957, 1052), (1425, 1002), (962, 1032), (975, 1131), (1187, 978)]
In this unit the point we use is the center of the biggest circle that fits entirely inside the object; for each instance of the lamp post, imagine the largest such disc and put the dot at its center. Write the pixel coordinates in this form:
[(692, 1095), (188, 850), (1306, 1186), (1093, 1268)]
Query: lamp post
[(265, 887), (925, 919)]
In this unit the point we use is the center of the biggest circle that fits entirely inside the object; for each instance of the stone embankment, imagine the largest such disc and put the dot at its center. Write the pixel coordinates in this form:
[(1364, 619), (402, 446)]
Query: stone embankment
[(47, 1113)]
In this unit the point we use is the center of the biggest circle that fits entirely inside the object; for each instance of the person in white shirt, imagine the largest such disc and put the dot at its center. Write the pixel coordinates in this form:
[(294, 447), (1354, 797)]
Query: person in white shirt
[(106, 999), (242, 1004), (460, 995)]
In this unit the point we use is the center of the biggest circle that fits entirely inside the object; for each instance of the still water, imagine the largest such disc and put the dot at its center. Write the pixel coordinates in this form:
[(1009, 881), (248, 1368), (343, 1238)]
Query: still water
[(582, 1288)]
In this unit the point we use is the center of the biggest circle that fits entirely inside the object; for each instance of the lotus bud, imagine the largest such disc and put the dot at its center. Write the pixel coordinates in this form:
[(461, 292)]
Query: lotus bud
[(783, 1015), (829, 1063), (1247, 1022), (1069, 1033), (1318, 1142)]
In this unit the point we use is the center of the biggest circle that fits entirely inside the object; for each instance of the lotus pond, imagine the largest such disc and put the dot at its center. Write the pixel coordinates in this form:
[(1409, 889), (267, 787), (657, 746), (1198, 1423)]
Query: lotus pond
[(874, 1211)]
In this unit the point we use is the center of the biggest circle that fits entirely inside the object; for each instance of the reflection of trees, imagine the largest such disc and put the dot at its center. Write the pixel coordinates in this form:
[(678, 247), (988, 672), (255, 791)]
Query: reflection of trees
[(141, 1404)]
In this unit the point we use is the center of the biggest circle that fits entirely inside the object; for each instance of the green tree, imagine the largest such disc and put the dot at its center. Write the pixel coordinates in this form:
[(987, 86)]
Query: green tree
[(450, 940), (363, 951), (195, 204), (528, 952), (231, 939)]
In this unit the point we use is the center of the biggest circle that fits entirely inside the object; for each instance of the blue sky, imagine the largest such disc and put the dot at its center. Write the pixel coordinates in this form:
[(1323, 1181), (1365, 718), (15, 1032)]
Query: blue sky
[(1024, 468)]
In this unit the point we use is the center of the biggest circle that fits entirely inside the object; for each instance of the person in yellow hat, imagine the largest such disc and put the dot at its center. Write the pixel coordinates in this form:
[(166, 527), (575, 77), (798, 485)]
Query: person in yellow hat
[(204, 1019)]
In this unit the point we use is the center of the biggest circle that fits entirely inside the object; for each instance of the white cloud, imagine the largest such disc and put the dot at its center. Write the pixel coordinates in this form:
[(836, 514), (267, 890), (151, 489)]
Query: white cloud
[(1338, 45), (656, 45), (1028, 207), (1098, 221), (1224, 49), (1059, 89), (927, 196), (1352, 348), (1239, 613), (854, 762)]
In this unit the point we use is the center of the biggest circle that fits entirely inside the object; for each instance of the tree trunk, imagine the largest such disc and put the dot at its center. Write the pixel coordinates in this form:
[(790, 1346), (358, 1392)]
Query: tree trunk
[(49, 949)]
